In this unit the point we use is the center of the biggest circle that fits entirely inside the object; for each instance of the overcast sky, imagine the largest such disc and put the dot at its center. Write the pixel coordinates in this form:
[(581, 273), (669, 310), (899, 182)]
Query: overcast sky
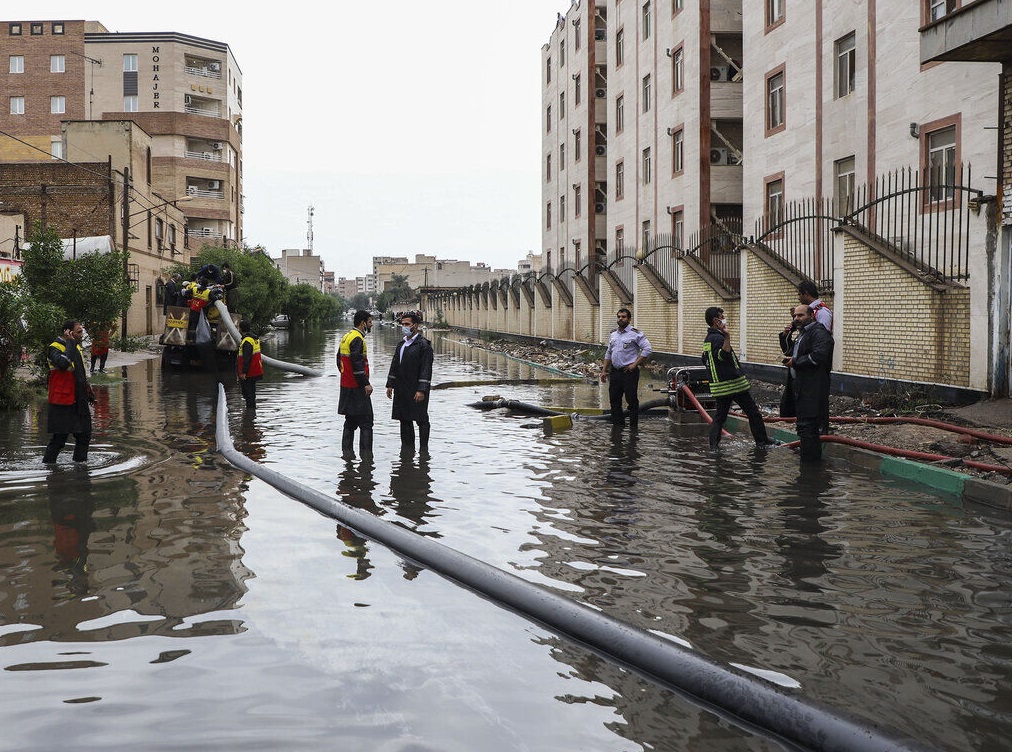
[(410, 127)]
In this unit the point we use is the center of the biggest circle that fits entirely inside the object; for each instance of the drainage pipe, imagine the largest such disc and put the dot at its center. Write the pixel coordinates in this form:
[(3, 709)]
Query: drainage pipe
[(522, 407), (744, 699), (643, 408), (702, 410), (226, 319)]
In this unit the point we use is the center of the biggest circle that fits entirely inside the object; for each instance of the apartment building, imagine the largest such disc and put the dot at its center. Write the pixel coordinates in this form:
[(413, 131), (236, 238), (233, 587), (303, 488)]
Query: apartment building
[(184, 91), (301, 267), (575, 139)]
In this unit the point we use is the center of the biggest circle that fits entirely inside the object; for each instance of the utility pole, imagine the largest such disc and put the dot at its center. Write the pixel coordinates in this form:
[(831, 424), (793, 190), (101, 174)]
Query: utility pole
[(126, 256), (309, 235)]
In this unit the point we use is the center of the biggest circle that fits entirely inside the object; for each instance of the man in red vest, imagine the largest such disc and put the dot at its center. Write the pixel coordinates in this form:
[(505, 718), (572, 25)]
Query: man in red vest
[(250, 365), (69, 394), (355, 403)]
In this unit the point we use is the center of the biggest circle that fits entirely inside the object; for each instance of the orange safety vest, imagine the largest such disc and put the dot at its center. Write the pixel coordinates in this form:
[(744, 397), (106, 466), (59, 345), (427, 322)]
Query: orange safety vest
[(256, 366), (344, 359), (62, 389)]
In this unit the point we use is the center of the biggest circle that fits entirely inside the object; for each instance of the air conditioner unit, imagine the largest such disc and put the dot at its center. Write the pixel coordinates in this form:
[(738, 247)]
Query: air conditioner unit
[(600, 93), (600, 35), (600, 207), (216, 67), (718, 155), (718, 73), (214, 184), (600, 150), (191, 190), (187, 100), (216, 146)]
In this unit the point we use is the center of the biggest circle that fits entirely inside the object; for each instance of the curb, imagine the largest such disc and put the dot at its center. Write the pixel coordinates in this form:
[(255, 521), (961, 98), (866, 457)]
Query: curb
[(966, 487)]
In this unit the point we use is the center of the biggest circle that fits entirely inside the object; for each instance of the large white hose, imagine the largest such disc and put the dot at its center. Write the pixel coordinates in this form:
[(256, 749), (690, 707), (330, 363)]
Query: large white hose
[(226, 319)]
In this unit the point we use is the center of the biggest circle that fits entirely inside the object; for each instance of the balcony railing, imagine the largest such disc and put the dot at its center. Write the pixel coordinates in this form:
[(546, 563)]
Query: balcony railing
[(212, 156), (204, 193), (193, 109), (202, 71)]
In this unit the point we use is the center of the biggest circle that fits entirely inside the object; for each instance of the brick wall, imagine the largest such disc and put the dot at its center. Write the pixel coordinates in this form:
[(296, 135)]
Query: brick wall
[(609, 305), (1006, 146), (695, 297), (897, 327), (562, 317), (654, 316), (542, 316), (586, 316), (770, 297)]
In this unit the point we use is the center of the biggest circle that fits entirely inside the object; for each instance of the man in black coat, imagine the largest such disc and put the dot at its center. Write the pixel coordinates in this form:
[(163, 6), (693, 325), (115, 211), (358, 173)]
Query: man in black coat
[(172, 293), (409, 381), (810, 364), (70, 394)]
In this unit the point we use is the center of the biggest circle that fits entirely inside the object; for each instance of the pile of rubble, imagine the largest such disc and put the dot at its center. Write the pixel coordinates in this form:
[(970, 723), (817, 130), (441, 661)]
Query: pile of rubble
[(584, 362)]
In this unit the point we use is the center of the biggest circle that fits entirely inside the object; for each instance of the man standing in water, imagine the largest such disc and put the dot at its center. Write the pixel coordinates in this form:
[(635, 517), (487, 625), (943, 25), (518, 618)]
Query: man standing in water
[(69, 394), (409, 381), (355, 402), (628, 347)]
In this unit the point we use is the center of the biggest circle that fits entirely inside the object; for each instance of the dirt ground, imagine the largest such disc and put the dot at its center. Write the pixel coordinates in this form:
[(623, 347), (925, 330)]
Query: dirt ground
[(954, 446)]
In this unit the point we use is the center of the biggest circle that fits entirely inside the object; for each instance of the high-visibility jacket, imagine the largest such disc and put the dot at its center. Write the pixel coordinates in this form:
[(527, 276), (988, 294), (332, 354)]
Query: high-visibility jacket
[(726, 377), (62, 389), (256, 366), (349, 376)]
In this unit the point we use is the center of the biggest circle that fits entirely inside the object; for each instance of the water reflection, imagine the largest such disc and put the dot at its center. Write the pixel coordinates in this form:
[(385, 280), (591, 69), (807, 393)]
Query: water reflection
[(72, 509)]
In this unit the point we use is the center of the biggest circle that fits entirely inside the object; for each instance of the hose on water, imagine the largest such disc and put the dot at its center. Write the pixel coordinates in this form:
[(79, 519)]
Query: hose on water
[(522, 407), (888, 420), (702, 410), (643, 408), (226, 319), (742, 698)]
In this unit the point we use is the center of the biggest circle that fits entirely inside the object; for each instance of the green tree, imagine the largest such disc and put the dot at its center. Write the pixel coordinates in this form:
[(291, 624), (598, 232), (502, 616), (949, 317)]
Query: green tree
[(359, 302), (301, 302), (397, 290), (26, 325)]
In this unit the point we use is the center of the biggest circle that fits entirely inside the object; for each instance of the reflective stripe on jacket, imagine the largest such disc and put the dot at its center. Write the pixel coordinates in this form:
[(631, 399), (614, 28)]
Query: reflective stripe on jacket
[(256, 366), (349, 377), (726, 377)]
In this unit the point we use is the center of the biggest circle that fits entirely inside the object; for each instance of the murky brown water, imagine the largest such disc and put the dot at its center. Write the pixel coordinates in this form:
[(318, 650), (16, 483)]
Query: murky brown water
[(160, 599)]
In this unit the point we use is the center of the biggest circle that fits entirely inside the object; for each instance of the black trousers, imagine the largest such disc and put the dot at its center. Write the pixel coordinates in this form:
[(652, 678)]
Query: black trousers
[(749, 407), (100, 359), (808, 433), (249, 392), (622, 383), (59, 440), (408, 434), (363, 423)]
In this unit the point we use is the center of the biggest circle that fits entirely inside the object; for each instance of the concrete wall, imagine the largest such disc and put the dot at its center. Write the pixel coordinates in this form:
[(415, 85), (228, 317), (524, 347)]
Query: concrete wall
[(654, 315)]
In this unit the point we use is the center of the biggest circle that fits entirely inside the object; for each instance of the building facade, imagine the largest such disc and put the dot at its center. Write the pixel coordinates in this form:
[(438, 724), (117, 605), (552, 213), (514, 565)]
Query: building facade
[(301, 267)]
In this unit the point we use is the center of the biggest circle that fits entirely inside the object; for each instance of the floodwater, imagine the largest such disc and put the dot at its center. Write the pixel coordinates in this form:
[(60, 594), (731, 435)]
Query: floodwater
[(161, 599)]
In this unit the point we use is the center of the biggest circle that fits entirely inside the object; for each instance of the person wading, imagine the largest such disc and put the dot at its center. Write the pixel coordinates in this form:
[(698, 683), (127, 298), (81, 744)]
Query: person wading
[(355, 402), (70, 394)]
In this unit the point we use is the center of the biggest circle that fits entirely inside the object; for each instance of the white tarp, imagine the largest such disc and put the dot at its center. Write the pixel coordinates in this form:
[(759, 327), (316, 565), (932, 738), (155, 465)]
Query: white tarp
[(81, 246)]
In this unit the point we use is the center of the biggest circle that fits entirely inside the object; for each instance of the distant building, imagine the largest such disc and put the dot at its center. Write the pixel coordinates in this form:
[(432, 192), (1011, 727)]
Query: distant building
[(301, 267)]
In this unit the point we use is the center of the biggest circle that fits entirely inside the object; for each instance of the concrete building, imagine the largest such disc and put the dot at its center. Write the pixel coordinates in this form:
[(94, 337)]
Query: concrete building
[(301, 267), (184, 91), (428, 271)]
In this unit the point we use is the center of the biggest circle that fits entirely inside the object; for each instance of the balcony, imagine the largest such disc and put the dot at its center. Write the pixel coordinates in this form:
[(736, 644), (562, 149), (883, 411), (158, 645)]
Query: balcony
[(202, 68), (195, 105), (206, 191), (210, 156)]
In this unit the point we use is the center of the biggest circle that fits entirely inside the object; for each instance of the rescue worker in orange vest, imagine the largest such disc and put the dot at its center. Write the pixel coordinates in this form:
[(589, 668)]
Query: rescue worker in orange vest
[(250, 365), (355, 402), (69, 394)]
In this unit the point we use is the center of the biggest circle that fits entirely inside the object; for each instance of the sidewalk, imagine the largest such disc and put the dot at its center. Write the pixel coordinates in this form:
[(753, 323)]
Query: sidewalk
[(986, 413)]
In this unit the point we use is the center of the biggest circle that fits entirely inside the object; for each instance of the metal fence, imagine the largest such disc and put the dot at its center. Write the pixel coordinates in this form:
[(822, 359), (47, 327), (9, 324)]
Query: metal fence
[(662, 254), (717, 247), (801, 233), (622, 263)]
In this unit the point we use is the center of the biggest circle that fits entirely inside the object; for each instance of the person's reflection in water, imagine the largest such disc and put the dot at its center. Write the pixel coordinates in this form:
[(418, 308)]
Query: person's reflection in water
[(71, 509), (252, 437), (623, 458), (355, 488), (411, 490), (806, 553)]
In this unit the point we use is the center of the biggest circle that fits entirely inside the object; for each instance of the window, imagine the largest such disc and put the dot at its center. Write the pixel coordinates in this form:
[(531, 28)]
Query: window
[(17, 105), (940, 8), (130, 103), (941, 163), (56, 148), (646, 166), (36, 29), (576, 90), (619, 241), (619, 114), (619, 47), (172, 236), (130, 63), (677, 70), (677, 228), (646, 20), (548, 216), (578, 145), (562, 209), (57, 64), (619, 181), (17, 63), (677, 6), (774, 13), (57, 28), (562, 157), (562, 105), (548, 118), (775, 98), (846, 64), (548, 260), (577, 25), (646, 234), (576, 254), (548, 167), (548, 75), (577, 201), (562, 52), (678, 151), (159, 231), (843, 185), (646, 93), (14, 29), (774, 212), (57, 105)]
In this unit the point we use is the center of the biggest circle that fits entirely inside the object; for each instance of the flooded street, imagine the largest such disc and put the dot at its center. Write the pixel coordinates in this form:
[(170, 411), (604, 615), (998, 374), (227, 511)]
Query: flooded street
[(162, 599)]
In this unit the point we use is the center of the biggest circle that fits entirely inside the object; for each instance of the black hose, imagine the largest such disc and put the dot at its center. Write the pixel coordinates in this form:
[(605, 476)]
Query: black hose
[(743, 698), (645, 407), (520, 407)]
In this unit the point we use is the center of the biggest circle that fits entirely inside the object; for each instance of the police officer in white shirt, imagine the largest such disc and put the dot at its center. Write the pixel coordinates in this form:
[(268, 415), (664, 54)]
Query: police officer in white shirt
[(628, 347)]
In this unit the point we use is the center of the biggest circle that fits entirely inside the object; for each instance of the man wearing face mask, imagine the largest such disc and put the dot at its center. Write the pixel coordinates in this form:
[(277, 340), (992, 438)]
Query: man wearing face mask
[(409, 381), (355, 402), (727, 382)]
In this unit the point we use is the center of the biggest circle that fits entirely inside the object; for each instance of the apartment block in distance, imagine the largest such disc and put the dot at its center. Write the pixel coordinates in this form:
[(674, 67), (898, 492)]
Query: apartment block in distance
[(184, 91)]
